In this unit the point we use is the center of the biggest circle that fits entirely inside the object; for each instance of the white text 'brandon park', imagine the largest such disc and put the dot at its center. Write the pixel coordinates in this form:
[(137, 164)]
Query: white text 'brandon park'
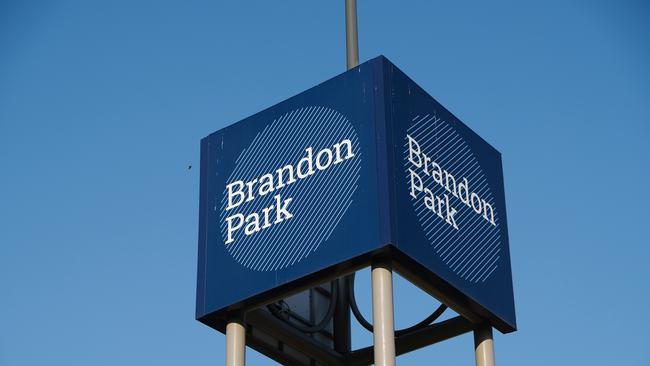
[(241, 193), (456, 190)]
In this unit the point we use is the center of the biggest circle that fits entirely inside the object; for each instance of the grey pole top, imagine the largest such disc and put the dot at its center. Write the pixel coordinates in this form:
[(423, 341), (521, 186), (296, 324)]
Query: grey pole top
[(351, 36)]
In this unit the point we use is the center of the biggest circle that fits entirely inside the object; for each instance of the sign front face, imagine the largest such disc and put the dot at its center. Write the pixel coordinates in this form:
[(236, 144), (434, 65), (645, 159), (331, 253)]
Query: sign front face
[(451, 214), (288, 192)]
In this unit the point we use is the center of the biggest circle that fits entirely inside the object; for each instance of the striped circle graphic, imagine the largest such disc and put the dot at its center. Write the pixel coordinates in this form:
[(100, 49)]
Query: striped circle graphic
[(473, 251), (318, 202)]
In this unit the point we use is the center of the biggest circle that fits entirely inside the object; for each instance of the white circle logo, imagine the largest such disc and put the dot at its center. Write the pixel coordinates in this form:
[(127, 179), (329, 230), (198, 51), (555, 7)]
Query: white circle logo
[(290, 188), (452, 198)]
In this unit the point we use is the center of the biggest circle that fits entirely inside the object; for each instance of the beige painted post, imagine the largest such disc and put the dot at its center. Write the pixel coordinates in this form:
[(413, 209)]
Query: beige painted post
[(484, 345), (235, 343), (382, 315)]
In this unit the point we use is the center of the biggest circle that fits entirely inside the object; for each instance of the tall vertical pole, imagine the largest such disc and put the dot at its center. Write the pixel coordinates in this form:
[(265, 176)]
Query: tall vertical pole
[(351, 35), (235, 342), (484, 345), (382, 314), (342, 330)]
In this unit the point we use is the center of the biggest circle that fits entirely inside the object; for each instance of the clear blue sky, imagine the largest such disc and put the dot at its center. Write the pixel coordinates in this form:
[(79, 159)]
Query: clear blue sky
[(102, 105)]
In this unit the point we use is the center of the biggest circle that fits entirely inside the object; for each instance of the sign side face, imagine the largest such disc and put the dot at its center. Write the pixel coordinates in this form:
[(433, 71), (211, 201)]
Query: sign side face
[(289, 191), (449, 198)]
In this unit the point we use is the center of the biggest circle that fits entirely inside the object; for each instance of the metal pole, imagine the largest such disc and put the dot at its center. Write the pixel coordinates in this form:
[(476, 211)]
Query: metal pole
[(235, 342), (351, 35), (342, 329), (382, 315), (484, 345)]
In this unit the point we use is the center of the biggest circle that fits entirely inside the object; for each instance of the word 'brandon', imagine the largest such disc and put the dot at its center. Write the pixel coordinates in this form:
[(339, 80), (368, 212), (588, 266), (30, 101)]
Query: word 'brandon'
[(441, 205), (240, 192)]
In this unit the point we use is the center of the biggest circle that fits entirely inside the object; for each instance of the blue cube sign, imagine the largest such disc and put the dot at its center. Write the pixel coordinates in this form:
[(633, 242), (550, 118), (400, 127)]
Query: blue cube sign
[(364, 165)]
